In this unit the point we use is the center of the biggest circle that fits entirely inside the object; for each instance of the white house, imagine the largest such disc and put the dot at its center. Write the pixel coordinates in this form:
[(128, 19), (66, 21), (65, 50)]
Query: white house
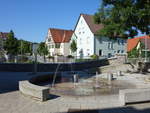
[(89, 43), (58, 40)]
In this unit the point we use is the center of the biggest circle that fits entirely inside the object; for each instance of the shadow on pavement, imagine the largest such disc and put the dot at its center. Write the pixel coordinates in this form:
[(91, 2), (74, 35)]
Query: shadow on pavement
[(112, 110)]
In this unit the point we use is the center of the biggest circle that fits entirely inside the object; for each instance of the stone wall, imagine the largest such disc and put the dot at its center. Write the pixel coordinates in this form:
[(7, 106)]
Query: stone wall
[(51, 67), (119, 59)]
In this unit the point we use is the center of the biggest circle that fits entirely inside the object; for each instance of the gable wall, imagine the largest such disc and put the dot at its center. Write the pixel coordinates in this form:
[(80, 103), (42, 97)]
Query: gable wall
[(51, 50), (85, 38)]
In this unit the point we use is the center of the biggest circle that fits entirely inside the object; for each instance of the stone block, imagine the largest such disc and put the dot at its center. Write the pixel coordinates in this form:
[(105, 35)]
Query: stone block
[(34, 91), (134, 95)]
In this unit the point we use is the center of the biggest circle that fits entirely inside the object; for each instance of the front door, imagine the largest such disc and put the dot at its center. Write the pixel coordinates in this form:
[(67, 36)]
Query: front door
[(100, 52)]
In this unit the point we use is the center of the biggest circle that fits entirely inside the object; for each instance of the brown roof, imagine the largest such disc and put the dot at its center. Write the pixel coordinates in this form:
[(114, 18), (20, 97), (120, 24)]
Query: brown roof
[(90, 21), (3, 35), (132, 43), (60, 35)]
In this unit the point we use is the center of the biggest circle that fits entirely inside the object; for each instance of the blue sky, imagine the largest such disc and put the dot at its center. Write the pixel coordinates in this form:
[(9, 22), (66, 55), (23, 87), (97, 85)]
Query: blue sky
[(30, 19)]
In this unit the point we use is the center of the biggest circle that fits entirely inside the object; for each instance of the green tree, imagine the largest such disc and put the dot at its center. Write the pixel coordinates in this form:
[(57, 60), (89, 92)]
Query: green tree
[(42, 50), (25, 47), (11, 44), (123, 18), (73, 46), (135, 53)]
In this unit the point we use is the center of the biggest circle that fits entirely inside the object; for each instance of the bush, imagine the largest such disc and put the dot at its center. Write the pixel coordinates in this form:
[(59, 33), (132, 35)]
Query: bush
[(50, 57), (33, 62), (59, 55), (70, 56), (22, 59), (94, 56), (82, 60)]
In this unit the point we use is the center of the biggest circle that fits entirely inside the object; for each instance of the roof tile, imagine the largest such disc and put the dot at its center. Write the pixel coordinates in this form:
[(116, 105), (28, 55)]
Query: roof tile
[(90, 21), (132, 43), (60, 35)]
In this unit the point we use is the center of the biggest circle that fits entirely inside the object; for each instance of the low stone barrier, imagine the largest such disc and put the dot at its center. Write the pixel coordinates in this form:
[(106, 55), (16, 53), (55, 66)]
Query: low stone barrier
[(134, 95), (36, 92), (51, 67)]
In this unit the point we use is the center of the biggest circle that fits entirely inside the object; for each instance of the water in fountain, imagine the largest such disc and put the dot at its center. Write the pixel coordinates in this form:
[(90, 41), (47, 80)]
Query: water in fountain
[(55, 74), (96, 81), (54, 78)]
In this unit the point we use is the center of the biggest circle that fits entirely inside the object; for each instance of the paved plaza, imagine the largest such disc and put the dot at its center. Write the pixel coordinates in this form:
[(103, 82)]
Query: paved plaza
[(12, 101)]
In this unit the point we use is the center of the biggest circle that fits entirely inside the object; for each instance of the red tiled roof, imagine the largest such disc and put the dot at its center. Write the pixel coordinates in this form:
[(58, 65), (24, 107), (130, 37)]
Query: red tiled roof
[(60, 35), (132, 43), (90, 21), (3, 35)]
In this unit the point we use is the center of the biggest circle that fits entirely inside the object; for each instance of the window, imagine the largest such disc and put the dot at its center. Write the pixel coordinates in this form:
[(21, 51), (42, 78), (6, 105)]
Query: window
[(52, 46), (88, 40), (49, 46), (79, 31), (122, 51), (118, 41), (122, 41), (110, 45), (57, 45), (80, 41), (49, 40), (118, 51), (109, 55), (100, 40), (100, 52), (88, 52)]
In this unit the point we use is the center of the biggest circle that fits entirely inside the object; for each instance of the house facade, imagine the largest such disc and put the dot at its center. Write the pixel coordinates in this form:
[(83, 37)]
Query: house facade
[(58, 41), (138, 47), (3, 37), (89, 43)]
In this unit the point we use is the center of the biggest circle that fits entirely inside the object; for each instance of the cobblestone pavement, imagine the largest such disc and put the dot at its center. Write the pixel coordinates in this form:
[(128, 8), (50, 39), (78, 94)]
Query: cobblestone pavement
[(12, 101), (15, 102)]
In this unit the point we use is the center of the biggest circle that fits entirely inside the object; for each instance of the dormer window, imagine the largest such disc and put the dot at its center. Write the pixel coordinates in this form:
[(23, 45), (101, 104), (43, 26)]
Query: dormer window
[(49, 40)]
